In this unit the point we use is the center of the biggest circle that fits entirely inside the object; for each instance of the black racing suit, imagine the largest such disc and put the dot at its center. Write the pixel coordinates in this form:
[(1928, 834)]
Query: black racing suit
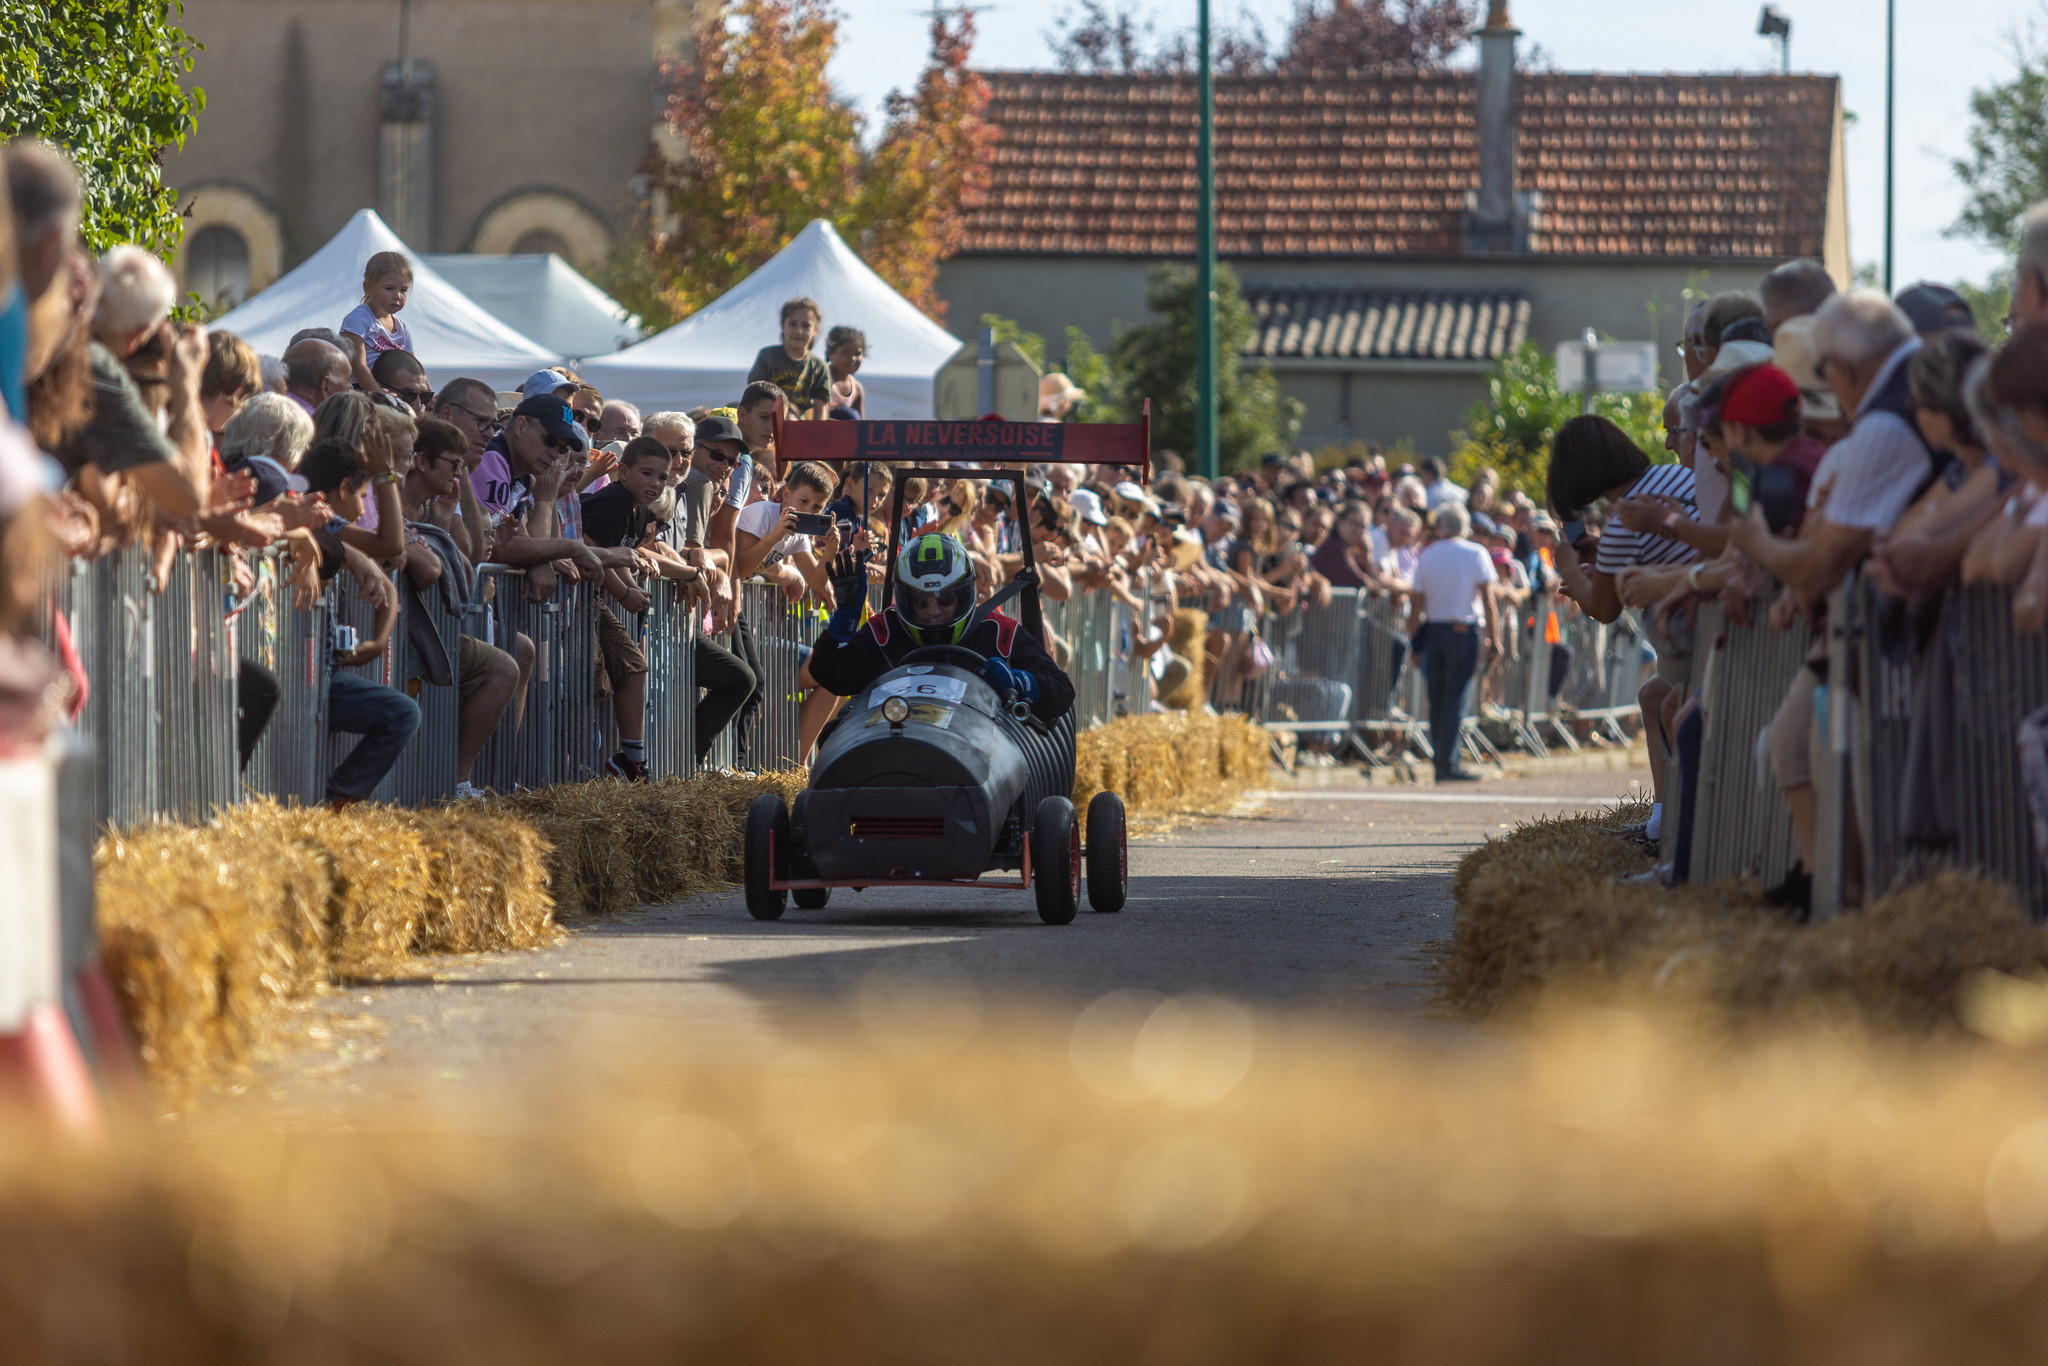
[(846, 668)]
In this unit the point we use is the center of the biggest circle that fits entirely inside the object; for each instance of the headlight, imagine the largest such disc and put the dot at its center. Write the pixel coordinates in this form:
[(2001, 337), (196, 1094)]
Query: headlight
[(895, 711)]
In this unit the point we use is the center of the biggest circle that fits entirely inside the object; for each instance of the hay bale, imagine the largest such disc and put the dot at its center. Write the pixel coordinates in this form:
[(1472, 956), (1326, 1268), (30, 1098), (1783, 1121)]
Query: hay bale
[(1170, 764), (488, 886), (208, 935), (1538, 914), (614, 846), (1615, 1186), (1187, 636)]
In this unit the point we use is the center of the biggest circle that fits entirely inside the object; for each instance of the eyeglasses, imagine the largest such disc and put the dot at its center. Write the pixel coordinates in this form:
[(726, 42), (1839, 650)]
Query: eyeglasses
[(486, 422)]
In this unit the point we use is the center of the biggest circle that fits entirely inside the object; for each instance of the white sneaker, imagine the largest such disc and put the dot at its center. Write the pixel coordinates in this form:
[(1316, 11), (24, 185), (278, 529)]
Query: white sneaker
[(470, 791)]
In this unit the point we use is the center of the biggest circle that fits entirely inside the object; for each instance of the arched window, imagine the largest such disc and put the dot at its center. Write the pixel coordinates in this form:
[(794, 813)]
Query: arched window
[(217, 267), (538, 240)]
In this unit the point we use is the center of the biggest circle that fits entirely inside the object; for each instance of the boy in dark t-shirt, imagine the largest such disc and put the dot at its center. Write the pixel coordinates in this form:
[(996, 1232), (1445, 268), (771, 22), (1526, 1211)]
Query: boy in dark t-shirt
[(619, 515), (792, 366)]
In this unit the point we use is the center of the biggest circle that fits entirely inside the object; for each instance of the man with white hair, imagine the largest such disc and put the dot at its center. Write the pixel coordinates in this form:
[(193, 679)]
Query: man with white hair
[(171, 462), (314, 372), (617, 422), (1448, 607), (1859, 489)]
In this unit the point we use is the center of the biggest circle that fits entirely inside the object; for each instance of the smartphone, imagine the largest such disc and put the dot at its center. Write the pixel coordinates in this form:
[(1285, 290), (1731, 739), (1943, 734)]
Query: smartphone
[(812, 524), (1741, 484), (1575, 531)]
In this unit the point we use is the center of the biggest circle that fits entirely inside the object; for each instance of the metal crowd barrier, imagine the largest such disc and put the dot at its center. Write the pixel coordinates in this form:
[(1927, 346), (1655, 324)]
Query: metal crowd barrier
[(783, 632), (1741, 825), (1087, 622), (667, 631), (559, 739), (290, 761)]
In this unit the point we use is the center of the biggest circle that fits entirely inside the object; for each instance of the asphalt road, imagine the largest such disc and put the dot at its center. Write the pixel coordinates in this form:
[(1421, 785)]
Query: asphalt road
[(1320, 900)]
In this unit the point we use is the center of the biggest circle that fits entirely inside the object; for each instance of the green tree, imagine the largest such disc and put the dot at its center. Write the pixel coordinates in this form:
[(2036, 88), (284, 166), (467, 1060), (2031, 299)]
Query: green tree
[(101, 79), (1989, 303), (1512, 427), (1157, 361), (2007, 166), (1010, 330)]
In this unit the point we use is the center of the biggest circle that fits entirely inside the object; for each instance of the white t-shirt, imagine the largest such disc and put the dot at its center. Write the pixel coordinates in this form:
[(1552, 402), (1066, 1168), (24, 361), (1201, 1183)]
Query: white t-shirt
[(1868, 477), (1621, 548), (1443, 488), (1448, 576), (758, 519)]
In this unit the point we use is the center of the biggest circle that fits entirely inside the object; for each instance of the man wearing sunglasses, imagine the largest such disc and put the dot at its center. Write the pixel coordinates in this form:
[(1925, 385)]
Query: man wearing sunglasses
[(402, 375), (519, 481), (471, 406)]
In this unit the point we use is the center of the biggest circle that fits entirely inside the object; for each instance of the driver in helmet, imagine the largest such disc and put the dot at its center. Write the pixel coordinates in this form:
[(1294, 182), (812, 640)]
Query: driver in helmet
[(933, 605)]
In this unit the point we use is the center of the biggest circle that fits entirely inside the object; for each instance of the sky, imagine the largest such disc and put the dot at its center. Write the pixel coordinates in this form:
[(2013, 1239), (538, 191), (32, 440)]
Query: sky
[(1946, 48)]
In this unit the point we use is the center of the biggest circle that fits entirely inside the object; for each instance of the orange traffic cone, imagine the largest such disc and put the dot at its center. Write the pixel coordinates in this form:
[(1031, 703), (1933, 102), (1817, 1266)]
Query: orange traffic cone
[(41, 1065)]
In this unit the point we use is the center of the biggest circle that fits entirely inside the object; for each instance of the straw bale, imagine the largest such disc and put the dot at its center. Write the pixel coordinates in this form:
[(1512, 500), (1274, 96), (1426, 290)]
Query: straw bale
[(1169, 764), (614, 846), (1538, 912), (208, 935), (1203, 1185), (489, 884)]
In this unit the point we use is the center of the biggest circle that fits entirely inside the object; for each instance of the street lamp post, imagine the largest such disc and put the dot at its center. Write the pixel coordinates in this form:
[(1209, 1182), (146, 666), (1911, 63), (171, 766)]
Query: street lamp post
[(1205, 261)]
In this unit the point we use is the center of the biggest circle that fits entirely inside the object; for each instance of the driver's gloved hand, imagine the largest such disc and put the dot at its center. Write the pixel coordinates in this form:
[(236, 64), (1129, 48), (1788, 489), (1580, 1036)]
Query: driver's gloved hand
[(1005, 679), (850, 590)]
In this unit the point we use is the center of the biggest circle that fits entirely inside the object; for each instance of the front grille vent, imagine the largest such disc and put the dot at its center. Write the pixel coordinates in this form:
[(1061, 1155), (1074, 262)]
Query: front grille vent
[(899, 828)]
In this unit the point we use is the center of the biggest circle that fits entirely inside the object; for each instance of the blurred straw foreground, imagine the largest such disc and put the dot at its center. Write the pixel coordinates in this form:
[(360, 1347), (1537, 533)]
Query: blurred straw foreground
[(1536, 913), (1170, 1182)]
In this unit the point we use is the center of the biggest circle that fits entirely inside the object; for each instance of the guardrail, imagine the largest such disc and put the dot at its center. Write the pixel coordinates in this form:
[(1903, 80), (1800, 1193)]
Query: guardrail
[(1741, 825), (290, 760)]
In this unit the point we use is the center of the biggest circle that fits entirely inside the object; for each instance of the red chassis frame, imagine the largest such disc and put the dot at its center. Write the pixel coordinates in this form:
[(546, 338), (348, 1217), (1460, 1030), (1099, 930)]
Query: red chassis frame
[(991, 440)]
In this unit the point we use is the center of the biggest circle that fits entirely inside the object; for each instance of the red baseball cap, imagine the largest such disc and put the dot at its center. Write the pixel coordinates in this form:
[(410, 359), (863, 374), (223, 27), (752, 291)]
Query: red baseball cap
[(1760, 397)]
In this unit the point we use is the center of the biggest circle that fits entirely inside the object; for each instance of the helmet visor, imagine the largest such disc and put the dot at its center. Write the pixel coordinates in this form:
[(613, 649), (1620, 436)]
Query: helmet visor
[(948, 605)]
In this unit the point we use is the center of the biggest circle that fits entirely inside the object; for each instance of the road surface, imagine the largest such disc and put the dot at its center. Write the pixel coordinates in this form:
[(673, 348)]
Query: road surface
[(1321, 900)]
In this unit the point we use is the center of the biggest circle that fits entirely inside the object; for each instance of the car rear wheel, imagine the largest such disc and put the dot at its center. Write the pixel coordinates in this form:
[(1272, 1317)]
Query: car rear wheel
[(811, 898), (1056, 860), (1108, 853), (767, 832)]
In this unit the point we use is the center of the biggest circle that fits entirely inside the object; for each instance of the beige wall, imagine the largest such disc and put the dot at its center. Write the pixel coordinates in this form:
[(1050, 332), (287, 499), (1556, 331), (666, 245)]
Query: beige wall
[(1102, 296), (556, 97)]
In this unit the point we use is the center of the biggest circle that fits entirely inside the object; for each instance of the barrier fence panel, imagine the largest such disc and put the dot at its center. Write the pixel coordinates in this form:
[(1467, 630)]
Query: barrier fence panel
[(668, 636), (2001, 678), (559, 739), (783, 632), (1881, 721), (196, 689), (425, 771), (117, 647), (1090, 624), (1741, 825), (1312, 686), (289, 761), (352, 610)]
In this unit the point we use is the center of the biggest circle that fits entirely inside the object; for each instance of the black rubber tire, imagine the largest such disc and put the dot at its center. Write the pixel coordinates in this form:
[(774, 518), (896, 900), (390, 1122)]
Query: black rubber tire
[(767, 823), (1109, 866), (1056, 860), (811, 898)]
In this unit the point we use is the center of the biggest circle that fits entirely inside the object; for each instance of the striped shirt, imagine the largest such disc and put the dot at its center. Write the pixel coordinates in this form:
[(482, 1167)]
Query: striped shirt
[(1621, 548)]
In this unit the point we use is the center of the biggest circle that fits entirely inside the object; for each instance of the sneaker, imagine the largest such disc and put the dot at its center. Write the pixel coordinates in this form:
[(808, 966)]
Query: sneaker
[(469, 791), (1794, 895), (624, 765), (1457, 775), (1659, 876), (1640, 830)]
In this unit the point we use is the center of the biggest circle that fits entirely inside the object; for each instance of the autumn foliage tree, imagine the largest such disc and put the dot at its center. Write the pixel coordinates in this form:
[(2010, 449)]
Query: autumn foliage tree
[(758, 146)]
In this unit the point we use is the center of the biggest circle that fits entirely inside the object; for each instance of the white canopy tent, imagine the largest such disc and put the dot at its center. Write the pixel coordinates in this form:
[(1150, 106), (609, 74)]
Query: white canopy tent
[(705, 358), (451, 334), (543, 297)]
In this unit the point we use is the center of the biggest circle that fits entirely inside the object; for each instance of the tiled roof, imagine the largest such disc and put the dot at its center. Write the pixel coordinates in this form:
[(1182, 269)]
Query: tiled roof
[(1380, 163), (1314, 322)]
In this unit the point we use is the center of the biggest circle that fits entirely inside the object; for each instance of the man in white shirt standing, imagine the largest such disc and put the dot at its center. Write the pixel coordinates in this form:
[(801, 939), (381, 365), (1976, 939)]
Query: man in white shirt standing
[(1437, 488), (1447, 609)]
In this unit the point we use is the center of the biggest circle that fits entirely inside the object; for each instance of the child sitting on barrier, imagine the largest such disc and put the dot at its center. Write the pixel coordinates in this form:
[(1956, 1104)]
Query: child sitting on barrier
[(792, 366), (384, 717)]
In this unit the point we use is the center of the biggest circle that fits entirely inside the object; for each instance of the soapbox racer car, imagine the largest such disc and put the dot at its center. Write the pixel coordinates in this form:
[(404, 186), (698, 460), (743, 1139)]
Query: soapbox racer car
[(929, 777)]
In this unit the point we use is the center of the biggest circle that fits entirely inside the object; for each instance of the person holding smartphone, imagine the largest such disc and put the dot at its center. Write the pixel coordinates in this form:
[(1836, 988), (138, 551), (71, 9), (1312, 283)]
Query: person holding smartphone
[(793, 543)]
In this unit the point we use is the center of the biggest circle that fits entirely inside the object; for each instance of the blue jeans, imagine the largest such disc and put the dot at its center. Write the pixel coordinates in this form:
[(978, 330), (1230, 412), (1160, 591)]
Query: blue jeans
[(1449, 657), (384, 717)]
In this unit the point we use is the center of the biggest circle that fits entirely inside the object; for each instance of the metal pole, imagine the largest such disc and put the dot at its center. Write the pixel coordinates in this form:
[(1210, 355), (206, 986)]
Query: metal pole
[(1888, 101), (985, 372), (1205, 259)]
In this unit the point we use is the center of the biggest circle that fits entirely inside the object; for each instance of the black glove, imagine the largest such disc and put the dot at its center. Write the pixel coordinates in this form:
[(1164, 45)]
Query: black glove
[(850, 591)]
